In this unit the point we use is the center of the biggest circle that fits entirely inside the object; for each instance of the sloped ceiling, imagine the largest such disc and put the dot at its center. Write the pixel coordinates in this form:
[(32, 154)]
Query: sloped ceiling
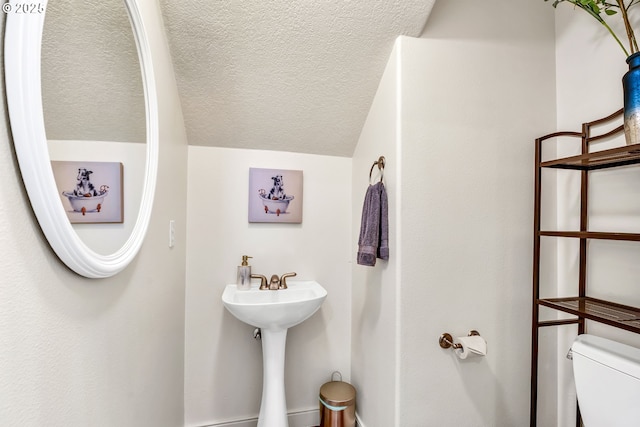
[(91, 81), (286, 75), (283, 75)]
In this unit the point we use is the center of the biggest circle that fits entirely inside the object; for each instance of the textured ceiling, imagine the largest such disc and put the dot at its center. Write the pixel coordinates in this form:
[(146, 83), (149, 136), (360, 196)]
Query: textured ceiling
[(91, 79), (286, 75), (283, 75)]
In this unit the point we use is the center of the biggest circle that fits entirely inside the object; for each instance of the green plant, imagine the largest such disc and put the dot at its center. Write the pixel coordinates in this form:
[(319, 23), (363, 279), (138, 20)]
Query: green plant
[(598, 9)]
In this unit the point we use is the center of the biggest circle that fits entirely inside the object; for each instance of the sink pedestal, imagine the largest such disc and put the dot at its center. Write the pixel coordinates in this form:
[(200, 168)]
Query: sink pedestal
[(274, 312), (273, 409)]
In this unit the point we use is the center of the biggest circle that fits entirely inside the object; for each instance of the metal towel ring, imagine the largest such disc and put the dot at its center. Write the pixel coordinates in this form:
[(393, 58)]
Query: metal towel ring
[(380, 162)]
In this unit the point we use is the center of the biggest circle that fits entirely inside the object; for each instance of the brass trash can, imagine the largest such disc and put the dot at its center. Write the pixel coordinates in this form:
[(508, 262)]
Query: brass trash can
[(337, 405)]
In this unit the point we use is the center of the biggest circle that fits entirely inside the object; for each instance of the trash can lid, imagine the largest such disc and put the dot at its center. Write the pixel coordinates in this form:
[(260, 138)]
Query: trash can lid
[(338, 393)]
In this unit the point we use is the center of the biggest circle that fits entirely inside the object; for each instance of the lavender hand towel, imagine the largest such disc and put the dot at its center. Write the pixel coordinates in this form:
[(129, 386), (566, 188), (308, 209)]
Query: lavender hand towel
[(374, 227)]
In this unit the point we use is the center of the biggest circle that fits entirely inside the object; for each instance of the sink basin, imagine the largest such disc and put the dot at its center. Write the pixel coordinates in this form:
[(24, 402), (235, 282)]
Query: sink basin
[(274, 312), (279, 309)]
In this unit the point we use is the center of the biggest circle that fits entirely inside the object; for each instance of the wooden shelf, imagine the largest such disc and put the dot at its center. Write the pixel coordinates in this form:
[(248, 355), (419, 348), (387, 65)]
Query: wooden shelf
[(618, 315), (633, 237), (614, 157)]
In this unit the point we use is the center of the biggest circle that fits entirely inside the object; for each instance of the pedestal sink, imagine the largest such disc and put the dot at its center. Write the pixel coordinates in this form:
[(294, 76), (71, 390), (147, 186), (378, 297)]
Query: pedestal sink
[(274, 312)]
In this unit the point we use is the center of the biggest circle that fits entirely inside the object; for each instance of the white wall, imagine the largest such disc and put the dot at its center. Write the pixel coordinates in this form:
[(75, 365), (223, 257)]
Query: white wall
[(590, 66), (374, 314), (223, 363), (473, 100), (473, 96), (78, 352)]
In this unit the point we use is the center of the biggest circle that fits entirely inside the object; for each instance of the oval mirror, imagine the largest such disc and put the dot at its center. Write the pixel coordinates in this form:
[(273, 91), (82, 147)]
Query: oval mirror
[(23, 39), (94, 117)]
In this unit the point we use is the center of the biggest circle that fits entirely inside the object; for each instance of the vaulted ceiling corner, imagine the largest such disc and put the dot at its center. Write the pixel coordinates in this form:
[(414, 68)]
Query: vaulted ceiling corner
[(283, 75)]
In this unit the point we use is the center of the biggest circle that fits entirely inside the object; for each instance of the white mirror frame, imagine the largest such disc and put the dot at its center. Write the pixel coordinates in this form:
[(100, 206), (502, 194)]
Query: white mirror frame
[(23, 37)]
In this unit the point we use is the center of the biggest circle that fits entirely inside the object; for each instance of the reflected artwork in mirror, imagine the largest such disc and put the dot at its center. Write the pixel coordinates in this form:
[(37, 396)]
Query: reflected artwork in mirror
[(93, 105), (99, 97)]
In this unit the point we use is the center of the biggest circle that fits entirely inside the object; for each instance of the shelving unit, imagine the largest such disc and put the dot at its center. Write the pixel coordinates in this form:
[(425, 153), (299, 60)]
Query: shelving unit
[(581, 306)]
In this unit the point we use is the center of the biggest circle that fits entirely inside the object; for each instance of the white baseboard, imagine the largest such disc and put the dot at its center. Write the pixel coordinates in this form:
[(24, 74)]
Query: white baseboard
[(296, 419), (307, 418)]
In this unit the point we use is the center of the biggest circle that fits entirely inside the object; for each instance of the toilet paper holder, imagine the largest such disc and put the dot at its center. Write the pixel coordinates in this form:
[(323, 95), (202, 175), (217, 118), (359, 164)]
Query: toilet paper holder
[(446, 340)]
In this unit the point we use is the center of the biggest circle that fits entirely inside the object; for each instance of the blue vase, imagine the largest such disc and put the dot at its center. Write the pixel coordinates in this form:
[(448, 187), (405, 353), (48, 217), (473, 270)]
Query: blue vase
[(631, 91)]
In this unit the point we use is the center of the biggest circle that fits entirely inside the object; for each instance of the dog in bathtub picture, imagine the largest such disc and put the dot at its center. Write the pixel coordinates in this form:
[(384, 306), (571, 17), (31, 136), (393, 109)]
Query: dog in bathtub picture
[(91, 192), (84, 187), (275, 195), (277, 191)]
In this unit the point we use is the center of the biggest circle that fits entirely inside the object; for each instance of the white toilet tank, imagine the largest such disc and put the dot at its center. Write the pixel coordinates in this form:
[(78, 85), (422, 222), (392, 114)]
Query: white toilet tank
[(607, 377)]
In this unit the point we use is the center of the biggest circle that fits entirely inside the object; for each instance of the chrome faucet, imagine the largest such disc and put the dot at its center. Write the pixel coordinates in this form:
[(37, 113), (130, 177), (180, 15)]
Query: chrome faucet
[(275, 282)]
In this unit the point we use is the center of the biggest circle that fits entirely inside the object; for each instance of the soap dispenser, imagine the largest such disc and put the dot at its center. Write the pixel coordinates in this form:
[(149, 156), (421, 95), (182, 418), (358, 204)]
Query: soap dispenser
[(244, 274)]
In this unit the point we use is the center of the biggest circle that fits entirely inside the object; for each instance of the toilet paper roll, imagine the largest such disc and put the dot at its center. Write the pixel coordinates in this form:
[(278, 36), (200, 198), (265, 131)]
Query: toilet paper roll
[(473, 345)]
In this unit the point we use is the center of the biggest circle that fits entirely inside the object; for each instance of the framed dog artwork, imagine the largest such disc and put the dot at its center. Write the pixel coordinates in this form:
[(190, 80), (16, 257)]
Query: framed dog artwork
[(91, 192), (275, 195)]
